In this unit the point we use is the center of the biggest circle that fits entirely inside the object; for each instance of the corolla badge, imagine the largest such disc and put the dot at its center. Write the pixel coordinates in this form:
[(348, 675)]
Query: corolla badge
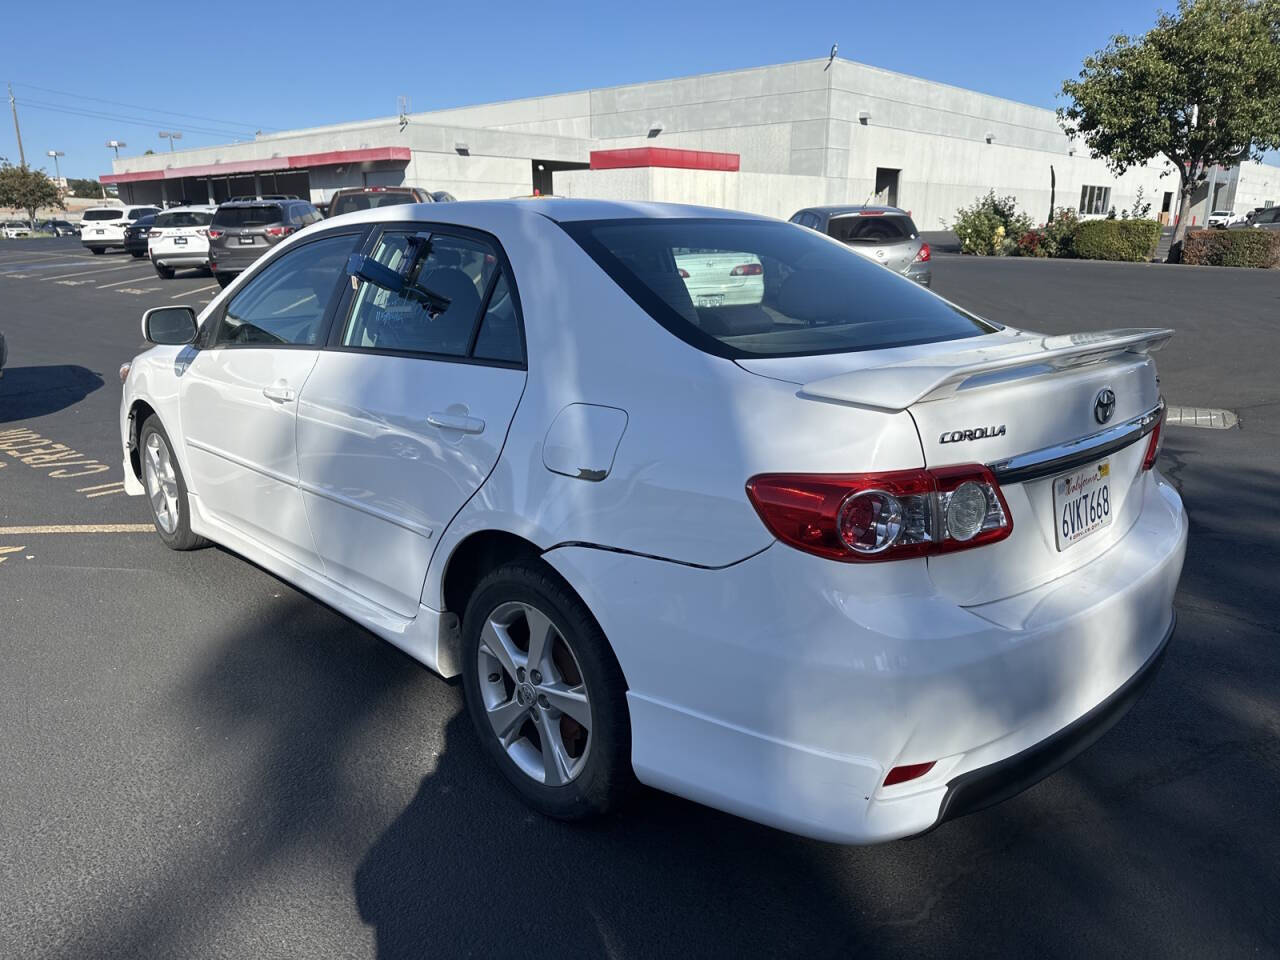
[(1105, 406), (976, 433)]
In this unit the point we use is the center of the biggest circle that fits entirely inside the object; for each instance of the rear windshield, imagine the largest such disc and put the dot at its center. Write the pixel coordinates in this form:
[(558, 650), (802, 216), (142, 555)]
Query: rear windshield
[(745, 288), (872, 228), (184, 218), (103, 214), (364, 201), (254, 216)]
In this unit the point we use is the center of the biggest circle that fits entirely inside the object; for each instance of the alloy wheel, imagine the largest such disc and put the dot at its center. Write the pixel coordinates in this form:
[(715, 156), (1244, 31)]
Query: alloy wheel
[(533, 693), (162, 482)]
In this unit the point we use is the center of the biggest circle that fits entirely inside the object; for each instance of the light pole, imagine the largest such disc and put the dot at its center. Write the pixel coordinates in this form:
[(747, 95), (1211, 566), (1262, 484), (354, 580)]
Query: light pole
[(57, 173), (170, 135), (114, 145)]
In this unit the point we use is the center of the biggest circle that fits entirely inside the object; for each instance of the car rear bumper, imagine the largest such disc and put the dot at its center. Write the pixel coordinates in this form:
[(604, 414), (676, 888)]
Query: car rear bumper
[(102, 241), (921, 273), (195, 259), (785, 687), (231, 260)]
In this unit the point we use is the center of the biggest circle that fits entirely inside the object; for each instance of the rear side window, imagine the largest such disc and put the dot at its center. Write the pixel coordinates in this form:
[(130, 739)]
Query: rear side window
[(103, 214), (349, 202), (257, 215), (748, 288), (448, 279), (137, 212), (184, 218), (872, 228)]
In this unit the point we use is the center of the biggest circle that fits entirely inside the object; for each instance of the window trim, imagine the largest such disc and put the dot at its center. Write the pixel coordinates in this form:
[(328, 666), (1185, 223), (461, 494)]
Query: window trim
[(208, 329), (342, 315)]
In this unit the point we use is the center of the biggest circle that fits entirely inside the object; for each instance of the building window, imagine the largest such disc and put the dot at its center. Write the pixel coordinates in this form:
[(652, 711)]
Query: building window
[(1267, 203), (1095, 200)]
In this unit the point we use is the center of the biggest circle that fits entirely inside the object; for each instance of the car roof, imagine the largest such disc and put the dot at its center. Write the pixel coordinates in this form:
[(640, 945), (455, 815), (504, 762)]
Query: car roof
[(193, 208), (555, 209), (835, 211)]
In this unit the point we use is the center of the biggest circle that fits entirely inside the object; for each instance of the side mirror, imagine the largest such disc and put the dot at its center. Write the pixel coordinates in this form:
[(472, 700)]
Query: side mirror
[(169, 326)]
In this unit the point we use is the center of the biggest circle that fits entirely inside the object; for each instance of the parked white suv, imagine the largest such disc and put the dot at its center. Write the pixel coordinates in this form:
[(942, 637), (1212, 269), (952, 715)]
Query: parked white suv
[(103, 227), (179, 239)]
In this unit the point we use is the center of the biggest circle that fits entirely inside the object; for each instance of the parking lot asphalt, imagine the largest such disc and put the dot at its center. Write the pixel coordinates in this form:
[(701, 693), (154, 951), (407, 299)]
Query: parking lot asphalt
[(200, 761)]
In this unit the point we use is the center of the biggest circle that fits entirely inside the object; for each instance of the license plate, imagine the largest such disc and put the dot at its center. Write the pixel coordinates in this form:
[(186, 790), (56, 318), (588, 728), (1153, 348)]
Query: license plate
[(98, 232), (710, 299), (180, 241), (247, 241), (1082, 503)]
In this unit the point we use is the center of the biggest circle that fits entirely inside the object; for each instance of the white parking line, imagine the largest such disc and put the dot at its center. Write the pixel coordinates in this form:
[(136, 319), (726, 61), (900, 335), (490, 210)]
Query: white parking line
[(119, 282), (56, 256), (85, 273), (79, 528), (190, 293)]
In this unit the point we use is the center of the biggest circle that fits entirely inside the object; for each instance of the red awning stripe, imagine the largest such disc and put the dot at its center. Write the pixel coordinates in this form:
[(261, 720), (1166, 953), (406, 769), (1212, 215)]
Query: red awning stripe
[(265, 164), (663, 157)]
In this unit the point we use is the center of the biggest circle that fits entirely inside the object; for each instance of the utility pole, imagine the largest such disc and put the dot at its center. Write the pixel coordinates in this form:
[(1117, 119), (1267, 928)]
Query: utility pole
[(13, 105)]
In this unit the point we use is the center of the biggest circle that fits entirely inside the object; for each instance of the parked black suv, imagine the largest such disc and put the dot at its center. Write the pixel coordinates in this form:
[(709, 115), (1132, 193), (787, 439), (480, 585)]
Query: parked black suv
[(243, 230), (136, 234)]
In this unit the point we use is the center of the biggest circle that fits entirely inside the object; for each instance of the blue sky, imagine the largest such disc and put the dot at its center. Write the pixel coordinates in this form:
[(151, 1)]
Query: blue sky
[(218, 71)]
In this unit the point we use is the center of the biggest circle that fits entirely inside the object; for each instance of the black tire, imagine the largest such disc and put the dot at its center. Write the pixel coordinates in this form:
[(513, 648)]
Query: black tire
[(165, 273), (181, 537), (224, 279), (606, 776), (98, 251), (139, 254)]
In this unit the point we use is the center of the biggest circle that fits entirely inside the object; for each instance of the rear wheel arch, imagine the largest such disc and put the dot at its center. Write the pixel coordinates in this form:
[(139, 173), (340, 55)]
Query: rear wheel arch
[(474, 557)]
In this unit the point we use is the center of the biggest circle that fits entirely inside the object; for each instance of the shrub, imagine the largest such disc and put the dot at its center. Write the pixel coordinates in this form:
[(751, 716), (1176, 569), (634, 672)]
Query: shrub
[(991, 227), (1059, 234), (1131, 240), (1031, 244), (1232, 248)]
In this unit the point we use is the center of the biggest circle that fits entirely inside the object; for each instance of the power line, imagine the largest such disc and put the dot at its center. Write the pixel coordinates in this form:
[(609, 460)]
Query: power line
[(135, 106), (136, 121)]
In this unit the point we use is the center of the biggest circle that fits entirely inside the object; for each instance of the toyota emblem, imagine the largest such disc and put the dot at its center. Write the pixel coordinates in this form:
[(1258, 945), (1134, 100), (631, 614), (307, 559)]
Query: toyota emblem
[(1105, 405)]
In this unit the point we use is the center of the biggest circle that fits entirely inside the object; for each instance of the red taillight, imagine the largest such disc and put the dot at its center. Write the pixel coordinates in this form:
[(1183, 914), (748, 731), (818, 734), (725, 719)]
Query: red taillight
[(203, 231), (1154, 442), (278, 231), (156, 233), (684, 274), (747, 270), (868, 517), (871, 213), (925, 254), (215, 234), (909, 771)]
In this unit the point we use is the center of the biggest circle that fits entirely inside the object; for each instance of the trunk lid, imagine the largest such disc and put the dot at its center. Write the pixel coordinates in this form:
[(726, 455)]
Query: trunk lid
[(1036, 409)]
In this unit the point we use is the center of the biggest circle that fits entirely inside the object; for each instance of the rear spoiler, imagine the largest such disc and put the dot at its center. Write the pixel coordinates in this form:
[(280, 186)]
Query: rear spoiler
[(900, 385)]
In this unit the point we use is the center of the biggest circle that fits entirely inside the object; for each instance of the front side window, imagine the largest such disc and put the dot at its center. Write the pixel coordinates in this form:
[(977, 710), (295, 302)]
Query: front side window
[(286, 303), (757, 288), (446, 281)]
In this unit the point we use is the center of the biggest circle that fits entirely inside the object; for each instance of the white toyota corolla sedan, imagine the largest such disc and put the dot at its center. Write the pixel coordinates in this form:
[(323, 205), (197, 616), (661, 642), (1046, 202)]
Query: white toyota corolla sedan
[(831, 554)]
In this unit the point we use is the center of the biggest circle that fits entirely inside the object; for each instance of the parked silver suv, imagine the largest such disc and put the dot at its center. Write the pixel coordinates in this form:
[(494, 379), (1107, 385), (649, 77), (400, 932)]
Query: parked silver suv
[(886, 235), (243, 230)]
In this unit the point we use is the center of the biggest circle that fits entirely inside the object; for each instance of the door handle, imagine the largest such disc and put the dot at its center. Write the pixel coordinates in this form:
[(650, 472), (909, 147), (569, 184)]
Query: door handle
[(453, 421), (279, 393)]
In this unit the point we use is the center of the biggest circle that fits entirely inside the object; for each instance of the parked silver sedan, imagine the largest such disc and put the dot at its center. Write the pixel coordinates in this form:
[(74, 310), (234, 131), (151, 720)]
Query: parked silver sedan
[(886, 235), (1268, 219)]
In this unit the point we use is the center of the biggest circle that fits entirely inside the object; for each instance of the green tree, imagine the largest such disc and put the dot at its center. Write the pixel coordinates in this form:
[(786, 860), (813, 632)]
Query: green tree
[(27, 189), (1202, 88), (84, 188)]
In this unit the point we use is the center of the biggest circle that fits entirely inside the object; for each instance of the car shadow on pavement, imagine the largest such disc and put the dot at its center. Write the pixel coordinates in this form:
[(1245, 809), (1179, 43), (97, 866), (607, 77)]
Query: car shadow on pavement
[(29, 392)]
